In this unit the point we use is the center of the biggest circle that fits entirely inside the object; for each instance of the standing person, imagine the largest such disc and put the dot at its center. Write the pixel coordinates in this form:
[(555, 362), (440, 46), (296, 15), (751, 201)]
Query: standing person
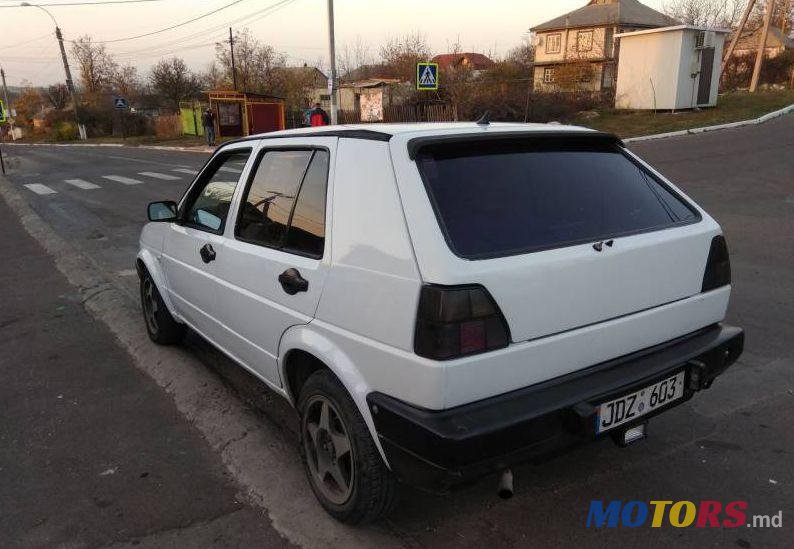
[(318, 117), (208, 121)]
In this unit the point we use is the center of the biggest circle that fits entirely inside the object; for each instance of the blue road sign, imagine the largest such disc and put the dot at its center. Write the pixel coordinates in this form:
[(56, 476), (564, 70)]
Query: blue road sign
[(121, 103), (427, 76)]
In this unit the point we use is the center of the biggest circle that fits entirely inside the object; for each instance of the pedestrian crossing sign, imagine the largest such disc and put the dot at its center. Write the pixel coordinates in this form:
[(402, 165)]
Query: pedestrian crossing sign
[(2, 112), (427, 76)]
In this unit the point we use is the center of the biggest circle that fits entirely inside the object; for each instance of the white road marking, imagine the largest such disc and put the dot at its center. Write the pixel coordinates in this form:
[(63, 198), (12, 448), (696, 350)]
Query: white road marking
[(156, 175), (122, 179), (81, 184), (38, 188), (227, 169), (185, 170)]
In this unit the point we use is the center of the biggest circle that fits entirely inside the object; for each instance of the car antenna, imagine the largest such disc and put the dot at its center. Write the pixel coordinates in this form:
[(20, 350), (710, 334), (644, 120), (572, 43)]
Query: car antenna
[(485, 119)]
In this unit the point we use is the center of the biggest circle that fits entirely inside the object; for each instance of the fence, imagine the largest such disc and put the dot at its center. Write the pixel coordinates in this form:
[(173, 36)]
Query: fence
[(437, 112), (169, 125), (190, 118)]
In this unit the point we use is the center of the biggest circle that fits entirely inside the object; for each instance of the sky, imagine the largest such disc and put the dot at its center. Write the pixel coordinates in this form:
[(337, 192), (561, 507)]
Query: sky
[(298, 28)]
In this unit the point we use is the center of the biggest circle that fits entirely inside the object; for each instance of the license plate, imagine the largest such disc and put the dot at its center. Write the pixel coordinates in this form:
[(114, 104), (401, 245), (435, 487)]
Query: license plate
[(628, 407)]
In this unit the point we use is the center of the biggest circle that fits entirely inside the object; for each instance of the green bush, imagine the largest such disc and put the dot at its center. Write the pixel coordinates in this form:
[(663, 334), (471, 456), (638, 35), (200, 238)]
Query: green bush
[(65, 131)]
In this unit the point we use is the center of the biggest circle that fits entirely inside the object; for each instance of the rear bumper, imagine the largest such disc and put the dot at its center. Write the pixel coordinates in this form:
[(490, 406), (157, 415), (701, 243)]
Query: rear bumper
[(437, 450)]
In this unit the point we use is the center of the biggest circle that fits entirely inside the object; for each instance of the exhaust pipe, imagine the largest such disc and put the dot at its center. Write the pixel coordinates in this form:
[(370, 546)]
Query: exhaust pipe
[(505, 490)]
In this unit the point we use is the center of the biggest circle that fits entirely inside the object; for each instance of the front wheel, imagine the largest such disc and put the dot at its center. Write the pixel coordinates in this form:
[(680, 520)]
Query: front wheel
[(160, 325), (343, 464)]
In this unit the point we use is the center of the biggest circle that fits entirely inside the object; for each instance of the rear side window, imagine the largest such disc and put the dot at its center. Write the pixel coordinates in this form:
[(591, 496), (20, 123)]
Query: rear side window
[(284, 205), (504, 198)]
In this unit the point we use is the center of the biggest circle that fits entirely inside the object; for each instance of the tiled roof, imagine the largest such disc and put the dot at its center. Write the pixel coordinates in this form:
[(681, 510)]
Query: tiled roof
[(629, 13), (477, 61)]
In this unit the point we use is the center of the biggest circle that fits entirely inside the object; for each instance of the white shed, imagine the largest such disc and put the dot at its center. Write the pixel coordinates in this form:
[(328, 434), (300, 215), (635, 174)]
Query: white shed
[(669, 68)]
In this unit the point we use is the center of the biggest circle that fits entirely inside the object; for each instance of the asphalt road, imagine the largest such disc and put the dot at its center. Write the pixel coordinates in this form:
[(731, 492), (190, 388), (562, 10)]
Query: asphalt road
[(733, 442)]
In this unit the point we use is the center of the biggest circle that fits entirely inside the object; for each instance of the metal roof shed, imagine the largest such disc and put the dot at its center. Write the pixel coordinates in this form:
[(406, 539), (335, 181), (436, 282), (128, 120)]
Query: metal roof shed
[(669, 68), (245, 113)]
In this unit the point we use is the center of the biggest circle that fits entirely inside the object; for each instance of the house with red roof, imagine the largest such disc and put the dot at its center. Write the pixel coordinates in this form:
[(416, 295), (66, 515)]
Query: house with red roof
[(476, 62)]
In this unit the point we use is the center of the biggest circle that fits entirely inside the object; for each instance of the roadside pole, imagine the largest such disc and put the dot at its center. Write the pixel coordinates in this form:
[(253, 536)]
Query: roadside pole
[(69, 81), (759, 58), (742, 24), (7, 105), (332, 54), (231, 51)]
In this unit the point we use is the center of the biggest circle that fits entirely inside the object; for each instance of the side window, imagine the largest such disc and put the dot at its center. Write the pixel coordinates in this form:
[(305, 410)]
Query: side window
[(284, 206), (306, 233), (210, 198)]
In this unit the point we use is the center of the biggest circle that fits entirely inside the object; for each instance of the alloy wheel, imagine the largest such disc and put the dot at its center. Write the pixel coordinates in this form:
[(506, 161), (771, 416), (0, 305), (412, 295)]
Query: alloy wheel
[(329, 453), (150, 306)]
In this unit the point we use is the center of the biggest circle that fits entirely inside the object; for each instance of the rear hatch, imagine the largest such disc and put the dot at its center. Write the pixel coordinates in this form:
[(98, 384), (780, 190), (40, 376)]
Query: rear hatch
[(564, 230)]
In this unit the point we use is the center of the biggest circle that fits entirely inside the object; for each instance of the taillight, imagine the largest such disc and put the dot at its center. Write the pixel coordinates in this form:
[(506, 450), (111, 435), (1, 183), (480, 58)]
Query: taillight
[(718, 266), (454, 321)]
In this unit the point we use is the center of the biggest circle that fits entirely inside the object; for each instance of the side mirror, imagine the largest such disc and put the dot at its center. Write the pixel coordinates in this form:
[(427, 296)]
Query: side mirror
[(162, 211)]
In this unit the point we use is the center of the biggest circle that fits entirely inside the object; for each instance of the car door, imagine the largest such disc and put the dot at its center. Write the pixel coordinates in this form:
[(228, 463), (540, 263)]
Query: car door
[(195, 241), (275, 258)]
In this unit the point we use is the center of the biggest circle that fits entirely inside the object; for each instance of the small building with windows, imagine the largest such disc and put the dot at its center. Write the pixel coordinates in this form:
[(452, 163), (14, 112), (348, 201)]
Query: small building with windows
[(669, 68), (577, 51)]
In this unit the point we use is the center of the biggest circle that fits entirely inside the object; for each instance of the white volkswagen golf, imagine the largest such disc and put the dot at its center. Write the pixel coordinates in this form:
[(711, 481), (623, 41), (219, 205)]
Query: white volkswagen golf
[(442, 301)]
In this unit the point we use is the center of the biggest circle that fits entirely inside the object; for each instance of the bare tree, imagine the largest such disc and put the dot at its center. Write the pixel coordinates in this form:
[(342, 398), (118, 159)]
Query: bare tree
[(353, 57), (710, 13), (400, 55), (522, 55), (96, 65), (257, 64), (58, 96), (125, 81), (215, 77), (172, 80)]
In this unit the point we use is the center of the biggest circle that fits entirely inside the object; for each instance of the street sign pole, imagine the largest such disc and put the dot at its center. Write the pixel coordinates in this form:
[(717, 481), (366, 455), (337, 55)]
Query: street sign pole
[(332, 54)]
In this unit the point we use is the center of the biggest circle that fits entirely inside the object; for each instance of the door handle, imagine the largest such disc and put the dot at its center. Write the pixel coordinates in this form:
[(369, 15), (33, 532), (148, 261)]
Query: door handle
[(292, 282), (207, 253)]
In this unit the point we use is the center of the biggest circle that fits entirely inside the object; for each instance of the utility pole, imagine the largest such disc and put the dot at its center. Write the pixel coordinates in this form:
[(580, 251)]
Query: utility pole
[(69, 81), (8, 105), (759, 58), (332, 53), (742, 24), (234, 67)]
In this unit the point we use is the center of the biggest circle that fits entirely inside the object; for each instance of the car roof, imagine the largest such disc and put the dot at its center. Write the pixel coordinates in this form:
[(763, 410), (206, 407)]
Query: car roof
[(384, 132)]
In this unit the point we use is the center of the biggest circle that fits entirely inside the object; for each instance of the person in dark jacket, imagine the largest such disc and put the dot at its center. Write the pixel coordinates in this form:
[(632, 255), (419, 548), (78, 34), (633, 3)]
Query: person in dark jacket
[(318, 117), (208, 121)]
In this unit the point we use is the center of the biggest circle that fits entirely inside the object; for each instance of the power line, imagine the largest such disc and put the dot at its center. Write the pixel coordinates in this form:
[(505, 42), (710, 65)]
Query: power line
[(210, 33), (98, 3), (172, 27)]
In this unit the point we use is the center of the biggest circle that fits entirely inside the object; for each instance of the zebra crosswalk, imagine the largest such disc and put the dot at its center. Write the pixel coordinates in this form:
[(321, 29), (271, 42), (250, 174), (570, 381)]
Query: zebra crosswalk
[(82, 184), (163, 176), (85, 185)]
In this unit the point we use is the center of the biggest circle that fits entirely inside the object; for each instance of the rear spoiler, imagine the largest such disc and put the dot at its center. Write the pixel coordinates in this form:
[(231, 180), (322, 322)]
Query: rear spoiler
[(418, 143)]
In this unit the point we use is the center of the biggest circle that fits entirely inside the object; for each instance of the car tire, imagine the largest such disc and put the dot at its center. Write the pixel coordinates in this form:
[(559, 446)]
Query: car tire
[(368, 489), (160, 325)]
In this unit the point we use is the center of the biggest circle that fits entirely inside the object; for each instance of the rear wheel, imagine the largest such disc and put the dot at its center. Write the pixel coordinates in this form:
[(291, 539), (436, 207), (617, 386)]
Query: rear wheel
[(160, 325), (343, 464)]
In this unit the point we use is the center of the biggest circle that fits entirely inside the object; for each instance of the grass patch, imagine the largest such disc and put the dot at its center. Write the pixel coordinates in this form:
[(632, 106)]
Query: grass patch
[(731, 107)]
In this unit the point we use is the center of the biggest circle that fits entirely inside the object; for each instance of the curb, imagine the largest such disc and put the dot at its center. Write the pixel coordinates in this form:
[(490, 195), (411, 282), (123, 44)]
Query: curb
[(692, 131)]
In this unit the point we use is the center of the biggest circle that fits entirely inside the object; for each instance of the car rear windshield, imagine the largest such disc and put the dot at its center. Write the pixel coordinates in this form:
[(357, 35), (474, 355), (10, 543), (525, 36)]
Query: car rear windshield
[(501, 198)]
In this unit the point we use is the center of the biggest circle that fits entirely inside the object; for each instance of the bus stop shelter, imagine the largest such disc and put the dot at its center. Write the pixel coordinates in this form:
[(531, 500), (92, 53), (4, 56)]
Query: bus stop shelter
[(243, 113)]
